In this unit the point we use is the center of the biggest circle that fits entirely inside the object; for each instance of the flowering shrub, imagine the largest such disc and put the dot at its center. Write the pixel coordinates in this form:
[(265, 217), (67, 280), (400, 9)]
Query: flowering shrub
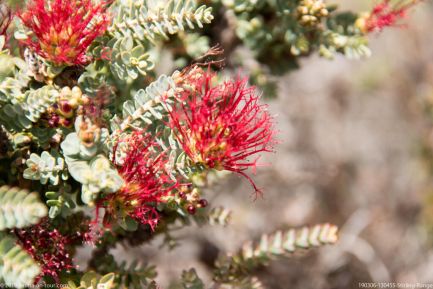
[(100, 149)]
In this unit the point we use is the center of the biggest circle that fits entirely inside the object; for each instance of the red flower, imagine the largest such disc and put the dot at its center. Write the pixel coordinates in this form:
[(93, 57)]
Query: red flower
[(222, 126), (143, 168), (386, 14), (48, 247), (63, 30)]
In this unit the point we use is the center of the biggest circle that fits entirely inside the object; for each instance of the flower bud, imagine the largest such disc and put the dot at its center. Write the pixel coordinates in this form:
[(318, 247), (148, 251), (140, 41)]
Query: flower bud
[(203, 203), (76, 93), (191, 209), (65, 92)]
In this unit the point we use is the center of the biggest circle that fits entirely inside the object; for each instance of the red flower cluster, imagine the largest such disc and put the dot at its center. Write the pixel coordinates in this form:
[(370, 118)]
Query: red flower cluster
[(222, 126), (63, 30), (48, 247), (386, 14), (143, 168)]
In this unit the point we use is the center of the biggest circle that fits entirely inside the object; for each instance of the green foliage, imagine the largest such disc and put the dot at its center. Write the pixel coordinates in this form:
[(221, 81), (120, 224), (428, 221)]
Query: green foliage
[(98, 176), (60, 203), (38, 101), (279, 33), (219, 216), (179, 162), (147, 105), (19, 208), (28, 108), (12, 116), (127, 59), (76, 147), (152, 19), (43, 135), (93, 78), (13, 76), (17, 268), (11, 88), (195, 44), (295, 29), (45, 168), (20, 140), (92, 280), (234, 267), (9, 65), (134, 275), (215, 216), (190, 280), (87, 163)]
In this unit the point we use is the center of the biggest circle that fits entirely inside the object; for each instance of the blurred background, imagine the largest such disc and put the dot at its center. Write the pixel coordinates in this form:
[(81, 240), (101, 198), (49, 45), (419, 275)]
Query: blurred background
[(356, 150)]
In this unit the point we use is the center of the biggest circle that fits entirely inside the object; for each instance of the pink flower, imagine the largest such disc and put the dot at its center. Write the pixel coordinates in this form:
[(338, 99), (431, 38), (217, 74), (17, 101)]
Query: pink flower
[(222, 127), (63, 30), (386, 14)]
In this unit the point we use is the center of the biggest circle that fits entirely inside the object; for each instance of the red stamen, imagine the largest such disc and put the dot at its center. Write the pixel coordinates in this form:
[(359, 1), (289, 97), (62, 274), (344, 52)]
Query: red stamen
[(222, 126), (63, 30)]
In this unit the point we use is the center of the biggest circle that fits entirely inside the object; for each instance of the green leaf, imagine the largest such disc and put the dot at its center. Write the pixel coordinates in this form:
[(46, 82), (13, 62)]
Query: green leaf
[(19, 208), (190, 280), (148, 105), (92, 280), (17, 268), (149, 20), (235, 267), (128, 224), (45, 168), (137, 52), (71, 145), (59, 203)]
